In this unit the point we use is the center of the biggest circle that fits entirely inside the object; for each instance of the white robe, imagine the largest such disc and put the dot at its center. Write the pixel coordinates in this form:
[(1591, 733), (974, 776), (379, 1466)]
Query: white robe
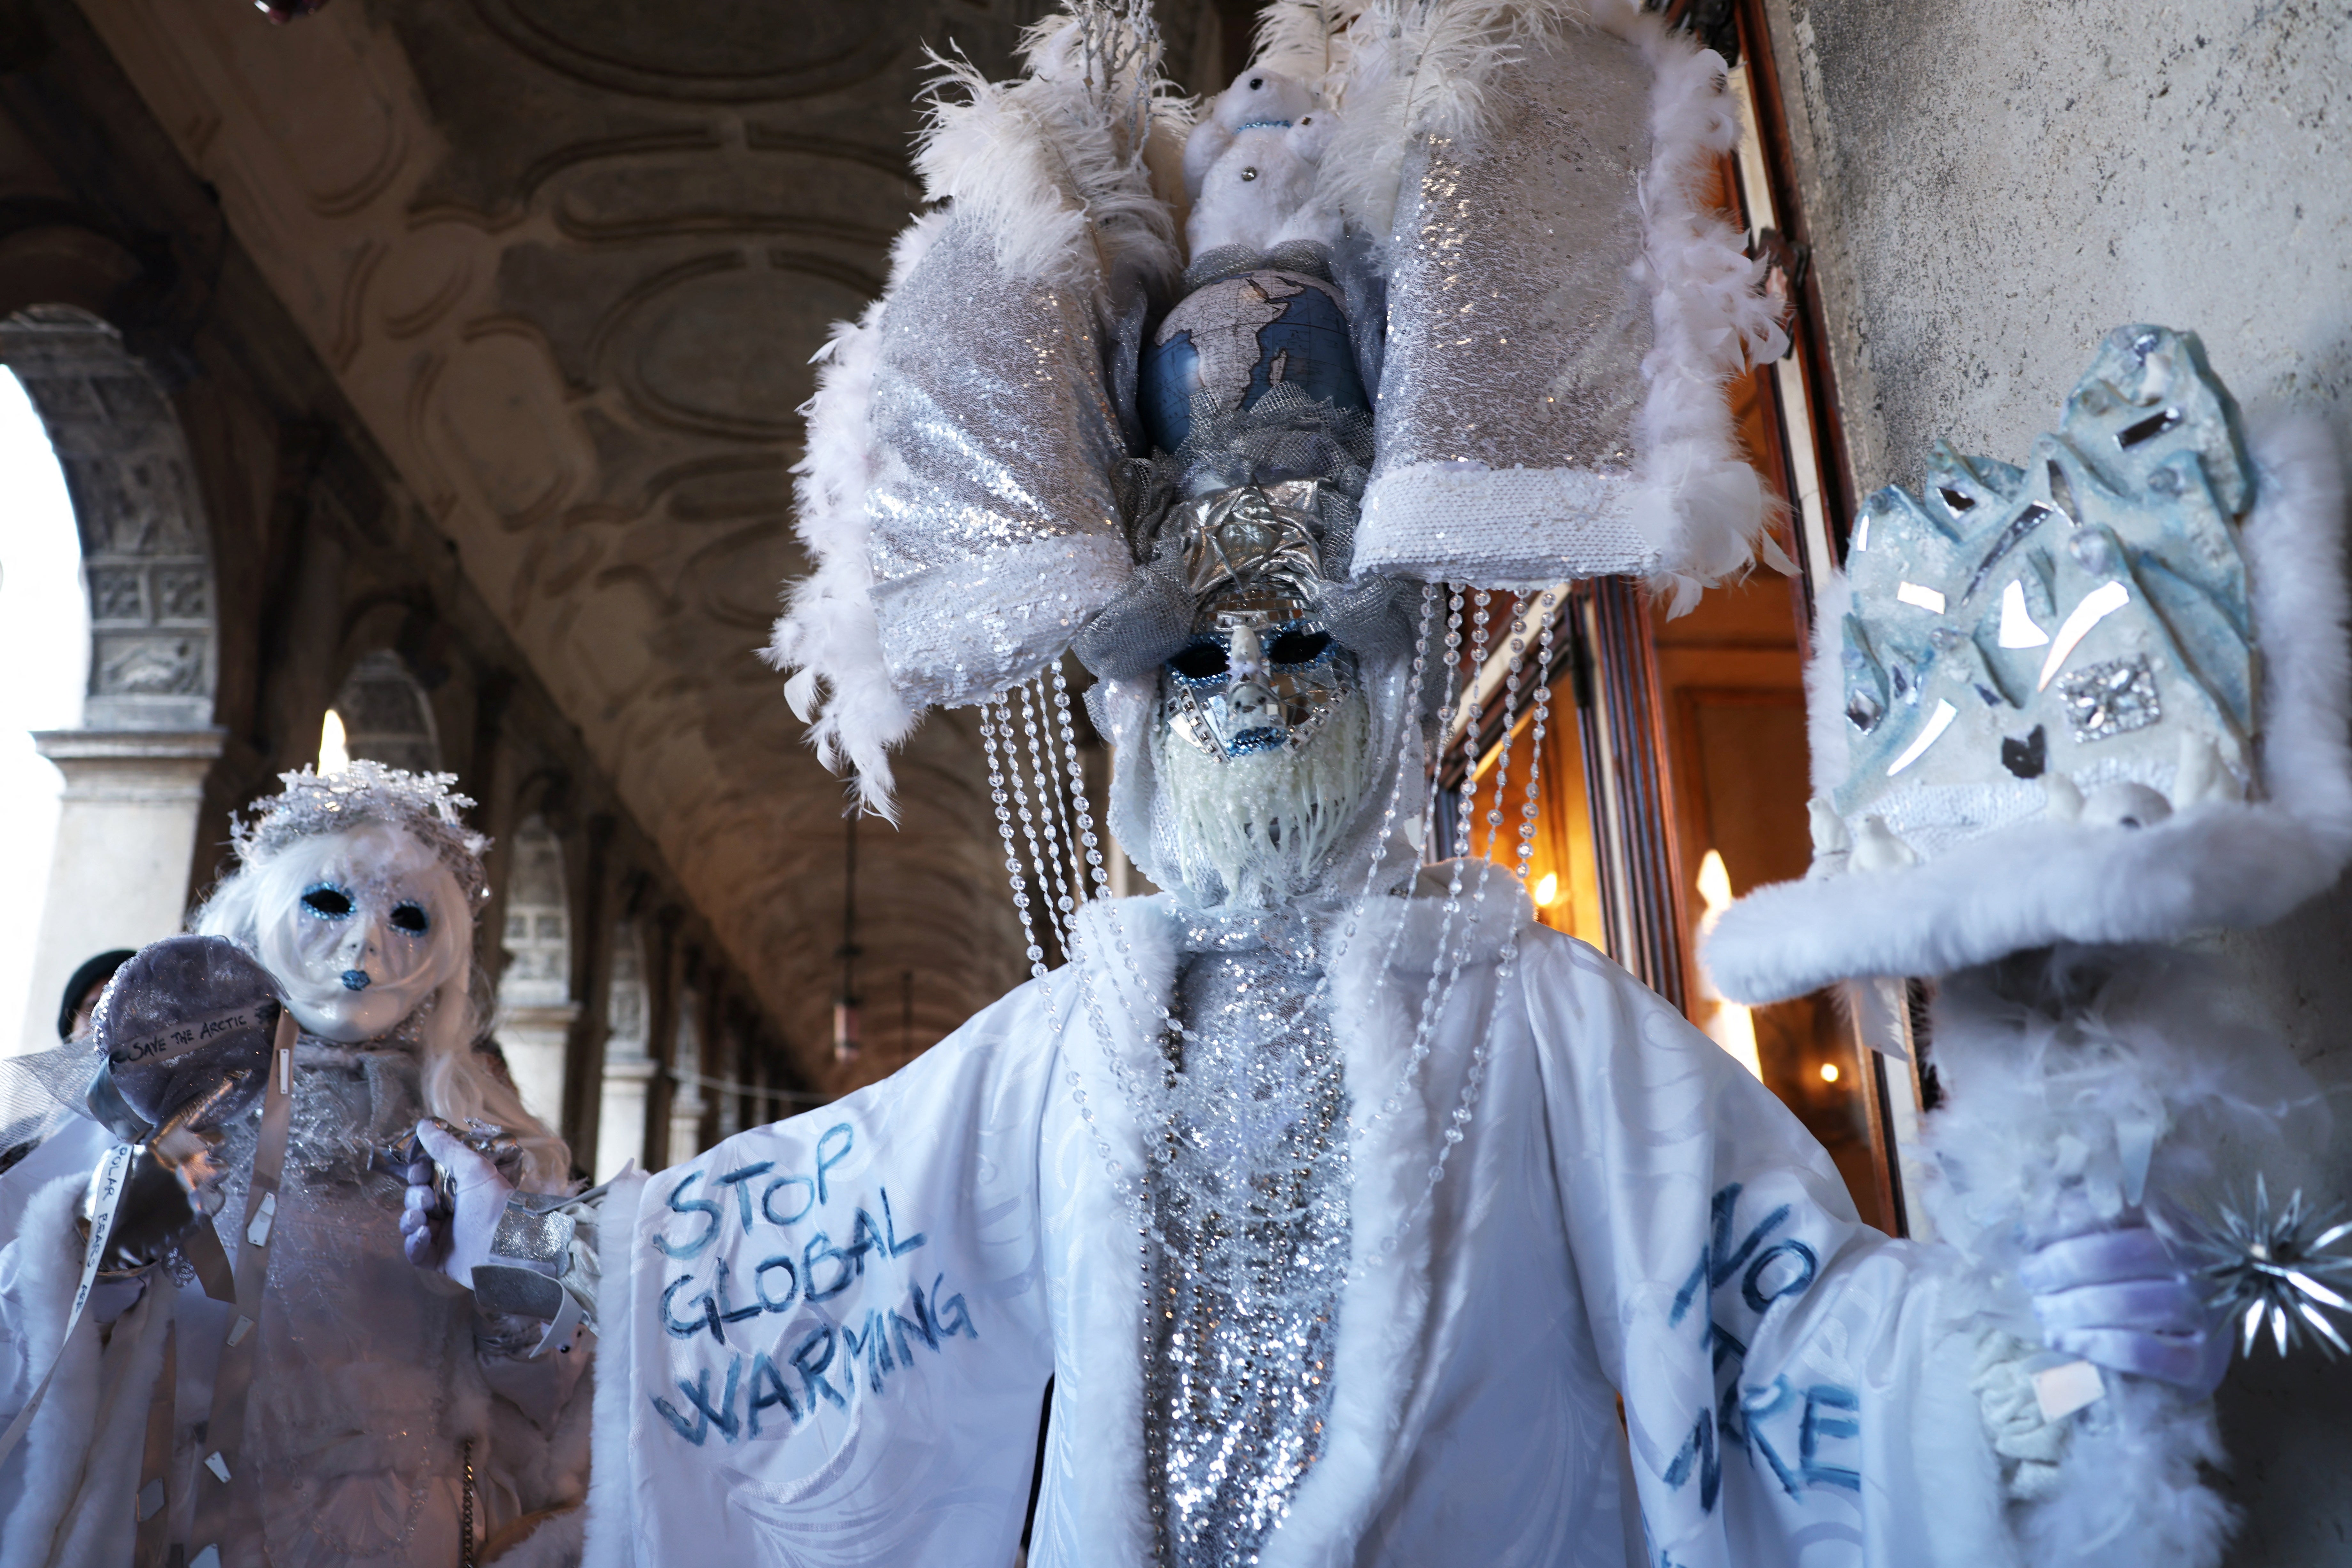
[(825, 1341)]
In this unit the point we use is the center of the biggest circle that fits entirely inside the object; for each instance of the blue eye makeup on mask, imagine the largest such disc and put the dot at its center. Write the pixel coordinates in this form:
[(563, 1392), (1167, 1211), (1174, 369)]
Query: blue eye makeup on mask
[(325, 901), (1205, 662), (410, 919)]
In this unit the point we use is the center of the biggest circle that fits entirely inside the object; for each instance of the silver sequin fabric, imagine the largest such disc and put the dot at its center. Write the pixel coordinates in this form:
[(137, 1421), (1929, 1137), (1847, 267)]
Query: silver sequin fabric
[(994, 530), (1244, 1303), (1517, 327)]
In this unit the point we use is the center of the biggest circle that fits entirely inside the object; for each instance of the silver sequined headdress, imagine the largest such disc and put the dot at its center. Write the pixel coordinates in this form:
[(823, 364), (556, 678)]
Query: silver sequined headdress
[(1541, 311), (425, 804)]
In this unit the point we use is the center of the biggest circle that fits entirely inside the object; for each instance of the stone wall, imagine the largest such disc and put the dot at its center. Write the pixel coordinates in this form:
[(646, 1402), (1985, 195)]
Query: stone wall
[(1990, 185)]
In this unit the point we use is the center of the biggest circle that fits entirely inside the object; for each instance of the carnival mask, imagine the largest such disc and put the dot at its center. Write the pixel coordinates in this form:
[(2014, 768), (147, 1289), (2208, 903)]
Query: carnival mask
[(359, 928), (1262, 673)]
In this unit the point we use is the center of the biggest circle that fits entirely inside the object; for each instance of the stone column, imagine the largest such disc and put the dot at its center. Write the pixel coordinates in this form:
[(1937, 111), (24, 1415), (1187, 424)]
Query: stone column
[(536, 1039), (593, 897), (126, 840), (621, 1128), (628, 1066), (686, 1104)]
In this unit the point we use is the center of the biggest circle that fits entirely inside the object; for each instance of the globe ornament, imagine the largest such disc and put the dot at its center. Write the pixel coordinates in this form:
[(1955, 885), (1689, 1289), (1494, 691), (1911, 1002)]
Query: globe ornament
[(181, 1019), (1235, 341)]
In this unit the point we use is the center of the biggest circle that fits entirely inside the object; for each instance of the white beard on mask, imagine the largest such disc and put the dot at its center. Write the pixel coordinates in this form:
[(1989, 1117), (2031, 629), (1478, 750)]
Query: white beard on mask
[(1257, 829)]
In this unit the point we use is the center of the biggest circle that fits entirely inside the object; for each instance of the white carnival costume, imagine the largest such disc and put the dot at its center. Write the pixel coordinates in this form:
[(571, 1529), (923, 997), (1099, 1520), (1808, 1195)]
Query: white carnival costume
[(384, 1419), (1341, 1203)]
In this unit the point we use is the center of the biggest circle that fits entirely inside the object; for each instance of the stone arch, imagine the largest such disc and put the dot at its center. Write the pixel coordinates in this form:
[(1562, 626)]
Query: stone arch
[(146, 555), (135, 766), (386, 716)]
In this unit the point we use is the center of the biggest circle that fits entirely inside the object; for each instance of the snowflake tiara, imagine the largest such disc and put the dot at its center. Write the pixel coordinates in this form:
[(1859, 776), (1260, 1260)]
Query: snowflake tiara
[(367, 791)]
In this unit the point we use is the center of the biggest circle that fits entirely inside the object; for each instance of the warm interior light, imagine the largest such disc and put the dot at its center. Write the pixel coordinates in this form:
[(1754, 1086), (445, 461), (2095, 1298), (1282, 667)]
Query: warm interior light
[(1547, 890), (1730, 1026), (334, 750), (1828, 1073)]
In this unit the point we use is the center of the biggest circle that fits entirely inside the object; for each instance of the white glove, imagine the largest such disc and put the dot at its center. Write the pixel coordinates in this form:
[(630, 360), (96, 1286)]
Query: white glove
[(432, 1236), (2117, 1298)]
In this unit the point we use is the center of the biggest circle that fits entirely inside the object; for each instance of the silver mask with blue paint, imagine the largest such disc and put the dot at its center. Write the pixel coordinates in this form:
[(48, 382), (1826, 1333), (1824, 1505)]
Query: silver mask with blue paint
[(1263, 672)]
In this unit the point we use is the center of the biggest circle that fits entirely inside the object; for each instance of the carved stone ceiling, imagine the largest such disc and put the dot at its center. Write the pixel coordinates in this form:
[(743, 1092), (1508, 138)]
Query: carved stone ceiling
[(569, 259)]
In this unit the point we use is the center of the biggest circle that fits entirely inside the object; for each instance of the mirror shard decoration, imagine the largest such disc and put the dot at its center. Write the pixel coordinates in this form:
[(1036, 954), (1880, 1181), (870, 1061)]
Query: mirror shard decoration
[(2111, 675), (2096, 595)]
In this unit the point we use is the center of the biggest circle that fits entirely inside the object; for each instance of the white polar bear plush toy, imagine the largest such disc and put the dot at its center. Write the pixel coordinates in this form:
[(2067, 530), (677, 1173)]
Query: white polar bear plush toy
[(1250, 167)]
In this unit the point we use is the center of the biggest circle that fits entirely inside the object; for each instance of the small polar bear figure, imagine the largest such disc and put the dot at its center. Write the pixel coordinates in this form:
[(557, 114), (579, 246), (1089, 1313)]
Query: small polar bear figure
[(1250, 166)]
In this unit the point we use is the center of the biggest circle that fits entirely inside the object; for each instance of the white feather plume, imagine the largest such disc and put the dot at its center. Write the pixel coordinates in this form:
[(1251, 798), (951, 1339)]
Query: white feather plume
[(827, 635), (1403, 70), (1308, 39), (1066, 167)]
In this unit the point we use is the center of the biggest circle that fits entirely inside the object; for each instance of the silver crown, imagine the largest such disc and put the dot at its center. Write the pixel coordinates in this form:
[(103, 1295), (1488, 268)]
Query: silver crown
[(365, 791)]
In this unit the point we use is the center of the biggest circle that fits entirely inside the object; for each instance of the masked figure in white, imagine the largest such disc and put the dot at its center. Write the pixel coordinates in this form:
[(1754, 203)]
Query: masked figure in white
[(384, 1419), (1341, 1203)]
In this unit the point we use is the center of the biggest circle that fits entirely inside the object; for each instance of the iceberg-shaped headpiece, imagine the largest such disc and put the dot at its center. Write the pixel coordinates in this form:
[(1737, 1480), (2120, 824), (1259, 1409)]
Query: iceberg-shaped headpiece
[(2094, 699)]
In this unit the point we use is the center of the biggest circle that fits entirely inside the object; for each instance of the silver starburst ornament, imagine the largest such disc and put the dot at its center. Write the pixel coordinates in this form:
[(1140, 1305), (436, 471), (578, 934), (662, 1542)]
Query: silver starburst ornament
[(2269, 1266)]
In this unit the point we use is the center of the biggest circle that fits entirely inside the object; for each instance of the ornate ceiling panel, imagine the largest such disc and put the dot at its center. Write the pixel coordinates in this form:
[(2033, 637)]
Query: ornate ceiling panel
[(569, 258)]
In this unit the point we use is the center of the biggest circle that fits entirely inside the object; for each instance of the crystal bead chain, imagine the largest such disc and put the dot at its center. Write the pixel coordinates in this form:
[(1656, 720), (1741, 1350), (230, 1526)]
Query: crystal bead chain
[(1067, 788), (1051, 811), (1037, 863), (1442, 978), (1052, 869), (1474, 1080), (1081, 803), (1515, 664), (1439, 992), (1453, 658), (1539, 700), (989, 712)]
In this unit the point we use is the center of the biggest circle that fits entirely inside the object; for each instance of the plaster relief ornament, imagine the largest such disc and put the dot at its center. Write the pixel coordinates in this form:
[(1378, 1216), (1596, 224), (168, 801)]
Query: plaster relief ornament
[(2063, 714), (265, 1374), (1341, 1203)]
